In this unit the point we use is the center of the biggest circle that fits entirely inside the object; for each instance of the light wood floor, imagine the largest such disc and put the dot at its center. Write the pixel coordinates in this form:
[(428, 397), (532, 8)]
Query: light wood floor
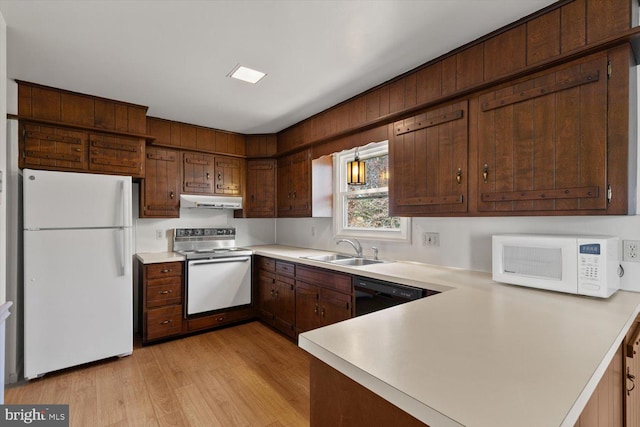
[(245, 375)]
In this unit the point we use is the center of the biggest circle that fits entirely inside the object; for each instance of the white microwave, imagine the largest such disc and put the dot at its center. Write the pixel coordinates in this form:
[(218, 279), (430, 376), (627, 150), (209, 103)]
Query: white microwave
[(584, 265)]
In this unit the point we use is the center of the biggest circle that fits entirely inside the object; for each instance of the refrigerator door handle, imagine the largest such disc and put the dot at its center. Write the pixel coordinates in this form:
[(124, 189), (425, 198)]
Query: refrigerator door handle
[(126, 203), (123, 245)]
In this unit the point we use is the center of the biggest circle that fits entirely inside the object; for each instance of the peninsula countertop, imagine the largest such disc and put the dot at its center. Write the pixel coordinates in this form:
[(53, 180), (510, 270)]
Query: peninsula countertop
[(478, 354)]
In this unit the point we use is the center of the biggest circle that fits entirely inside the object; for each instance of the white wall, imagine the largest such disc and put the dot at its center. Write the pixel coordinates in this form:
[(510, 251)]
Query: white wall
[(3, 158), (248, 231), (464, 242)]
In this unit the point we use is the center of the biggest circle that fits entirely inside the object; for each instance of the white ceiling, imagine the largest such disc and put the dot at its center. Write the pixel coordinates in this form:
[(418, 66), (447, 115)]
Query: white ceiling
[(173, 55)]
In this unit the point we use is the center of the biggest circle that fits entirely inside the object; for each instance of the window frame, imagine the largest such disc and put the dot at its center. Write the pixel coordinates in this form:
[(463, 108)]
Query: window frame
[(340, 230)]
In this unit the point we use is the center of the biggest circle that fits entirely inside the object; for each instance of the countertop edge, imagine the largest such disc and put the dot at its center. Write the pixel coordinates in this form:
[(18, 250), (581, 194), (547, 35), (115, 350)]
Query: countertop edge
[(413, 407)]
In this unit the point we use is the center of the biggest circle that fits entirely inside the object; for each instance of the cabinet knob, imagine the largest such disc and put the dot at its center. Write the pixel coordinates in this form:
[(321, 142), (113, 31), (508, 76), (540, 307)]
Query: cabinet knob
[(219, 176), (208, 176), (315, 310), (172, 195), (295, 194), (166, 270), (485, 173), (165, 322), (323, 312), (165, 292), (459, 176)]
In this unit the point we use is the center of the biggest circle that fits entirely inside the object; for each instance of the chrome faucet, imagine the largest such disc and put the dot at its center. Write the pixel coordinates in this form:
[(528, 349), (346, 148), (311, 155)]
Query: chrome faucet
[(355, 244)]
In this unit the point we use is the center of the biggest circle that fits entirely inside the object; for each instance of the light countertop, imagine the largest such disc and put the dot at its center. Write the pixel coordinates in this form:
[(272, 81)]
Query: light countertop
[(157, 257), (479, 353)]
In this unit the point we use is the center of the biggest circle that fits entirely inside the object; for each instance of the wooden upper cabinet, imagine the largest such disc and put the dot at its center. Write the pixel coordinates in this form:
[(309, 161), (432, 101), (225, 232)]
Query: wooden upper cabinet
[(428, 162), (160, 189), (542, 141), (116, 154), (48, 147), (228, 176), (260, 194), (198, 173), (294, 185)]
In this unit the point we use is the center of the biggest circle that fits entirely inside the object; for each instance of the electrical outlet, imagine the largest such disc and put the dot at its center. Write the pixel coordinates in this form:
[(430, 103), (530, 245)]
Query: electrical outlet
[(159, 234), (430, 239), (631, 250)]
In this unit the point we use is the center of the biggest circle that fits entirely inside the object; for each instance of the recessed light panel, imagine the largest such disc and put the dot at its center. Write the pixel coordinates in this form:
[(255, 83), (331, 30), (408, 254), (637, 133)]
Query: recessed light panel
[(246, 74)]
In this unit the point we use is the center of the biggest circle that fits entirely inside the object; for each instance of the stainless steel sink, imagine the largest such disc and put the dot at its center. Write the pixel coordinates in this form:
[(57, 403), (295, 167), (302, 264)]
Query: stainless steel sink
[(357, 261), (328, 258)]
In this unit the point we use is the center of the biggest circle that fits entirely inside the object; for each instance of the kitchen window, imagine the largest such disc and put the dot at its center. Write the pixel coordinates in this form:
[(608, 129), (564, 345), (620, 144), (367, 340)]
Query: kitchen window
[(362, 211)]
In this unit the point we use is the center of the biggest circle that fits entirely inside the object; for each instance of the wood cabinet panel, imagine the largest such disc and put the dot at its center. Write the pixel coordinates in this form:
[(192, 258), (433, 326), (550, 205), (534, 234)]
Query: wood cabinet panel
[(505, 53), (160, 130), (573, 26), (218, 319), (631, 376), (294, 185), (116, 155), (607, 17), (261, 192), (161, 298), (160, 189), (228, 176), (469, 67), (198, 173), (531, 135), (307, 307), (76, 109), (188, 137), (329, 279), (45, 104), (334, 306), (431, 151), (543, 37), (47, 147), (261, 145)]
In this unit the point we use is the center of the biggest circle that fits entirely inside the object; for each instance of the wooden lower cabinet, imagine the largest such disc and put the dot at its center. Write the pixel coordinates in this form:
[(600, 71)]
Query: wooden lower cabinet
[(276, 292), (631, 376), (295, 298), (161, 297)]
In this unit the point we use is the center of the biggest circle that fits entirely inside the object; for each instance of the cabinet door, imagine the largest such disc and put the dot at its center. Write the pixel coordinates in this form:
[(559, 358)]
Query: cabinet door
[(307, 307), (428, 162), (261, 181), (284, 309), (45, 147), (160, 192), (335, 306), (300, 183), (266, 292), (632, 376), (542, 142), (116, 155), (284, 191), (197, 173), (228, 176)]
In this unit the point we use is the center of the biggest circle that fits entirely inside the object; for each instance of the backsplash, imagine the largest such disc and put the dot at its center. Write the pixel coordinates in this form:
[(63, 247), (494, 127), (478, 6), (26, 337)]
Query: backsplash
[(249, 231)]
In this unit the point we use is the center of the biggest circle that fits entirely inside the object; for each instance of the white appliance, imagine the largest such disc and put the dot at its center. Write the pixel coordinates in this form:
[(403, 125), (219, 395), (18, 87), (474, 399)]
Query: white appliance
[(218, 272), (78, 289), (584, 265)]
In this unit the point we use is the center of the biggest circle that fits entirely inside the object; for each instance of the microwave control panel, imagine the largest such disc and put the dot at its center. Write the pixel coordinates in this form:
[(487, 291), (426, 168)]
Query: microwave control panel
[(589, 265)]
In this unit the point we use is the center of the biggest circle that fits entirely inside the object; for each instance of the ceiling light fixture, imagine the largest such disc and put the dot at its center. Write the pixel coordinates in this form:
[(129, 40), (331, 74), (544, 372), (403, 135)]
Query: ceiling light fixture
[(246, 74), (356, 171)]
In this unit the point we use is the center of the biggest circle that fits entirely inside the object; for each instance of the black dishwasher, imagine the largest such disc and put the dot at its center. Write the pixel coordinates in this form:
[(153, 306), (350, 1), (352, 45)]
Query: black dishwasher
[(373, 295)]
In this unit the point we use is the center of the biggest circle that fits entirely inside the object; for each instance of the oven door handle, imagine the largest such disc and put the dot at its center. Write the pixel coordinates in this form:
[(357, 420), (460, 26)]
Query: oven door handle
[(219, 260)]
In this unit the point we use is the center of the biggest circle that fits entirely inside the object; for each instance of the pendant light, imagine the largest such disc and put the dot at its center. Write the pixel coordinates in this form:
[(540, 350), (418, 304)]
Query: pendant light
[(356, 171)]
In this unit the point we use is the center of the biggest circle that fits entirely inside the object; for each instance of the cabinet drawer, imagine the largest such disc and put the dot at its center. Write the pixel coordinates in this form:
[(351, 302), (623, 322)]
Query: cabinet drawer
[(268, 264), (327, 279), (287, 281), (164, 269), (164, 291), (164, 322), (285, 268), (218, 319)]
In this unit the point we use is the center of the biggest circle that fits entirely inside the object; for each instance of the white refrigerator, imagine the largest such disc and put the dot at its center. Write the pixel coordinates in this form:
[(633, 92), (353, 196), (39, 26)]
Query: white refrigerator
[(78, 289)]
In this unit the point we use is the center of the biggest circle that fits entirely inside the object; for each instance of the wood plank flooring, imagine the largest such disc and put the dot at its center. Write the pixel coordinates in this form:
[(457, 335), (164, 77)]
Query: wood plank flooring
[(245, 375)]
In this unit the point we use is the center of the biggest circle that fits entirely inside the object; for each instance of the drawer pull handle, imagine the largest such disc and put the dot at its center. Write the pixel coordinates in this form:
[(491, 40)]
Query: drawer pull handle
[(165, 292), (459, 176), (166, 322), (208, 175), (315, 310), (166, 270), (220, 319), (485, 173)]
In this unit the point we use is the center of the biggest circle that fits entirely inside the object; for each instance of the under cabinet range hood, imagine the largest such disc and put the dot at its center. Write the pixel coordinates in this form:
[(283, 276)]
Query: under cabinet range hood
[(210, 202)]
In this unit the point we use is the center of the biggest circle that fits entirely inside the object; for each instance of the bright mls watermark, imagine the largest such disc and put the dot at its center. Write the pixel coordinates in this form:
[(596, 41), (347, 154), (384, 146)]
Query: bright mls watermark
[(34, 415)]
